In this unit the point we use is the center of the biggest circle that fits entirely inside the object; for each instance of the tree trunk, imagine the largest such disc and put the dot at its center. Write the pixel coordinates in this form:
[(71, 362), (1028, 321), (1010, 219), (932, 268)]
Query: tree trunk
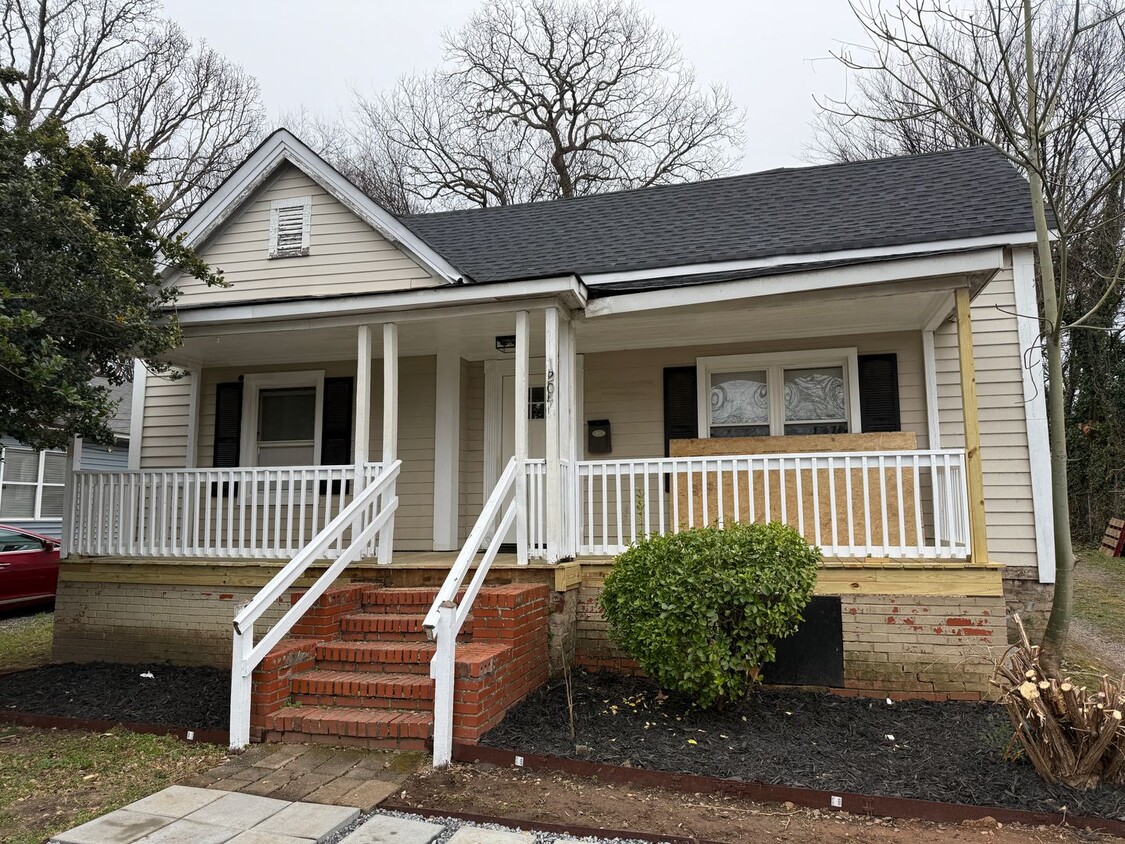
[(1058, 625)]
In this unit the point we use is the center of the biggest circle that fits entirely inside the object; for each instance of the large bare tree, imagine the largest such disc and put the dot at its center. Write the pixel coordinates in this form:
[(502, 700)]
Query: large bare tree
[(116, 67), (545, 99), (1042, 82)]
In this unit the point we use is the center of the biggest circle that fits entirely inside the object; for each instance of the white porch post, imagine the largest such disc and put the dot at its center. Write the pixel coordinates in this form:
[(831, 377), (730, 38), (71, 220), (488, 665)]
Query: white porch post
[(572, 439), (553, 381), (73, 464), (447, 435), (137, 414), (361, 450), (521, 387), (390, 426)]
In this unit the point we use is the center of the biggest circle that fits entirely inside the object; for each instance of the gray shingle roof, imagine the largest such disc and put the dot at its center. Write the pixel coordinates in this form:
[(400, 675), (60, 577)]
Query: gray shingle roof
[(885, 202)]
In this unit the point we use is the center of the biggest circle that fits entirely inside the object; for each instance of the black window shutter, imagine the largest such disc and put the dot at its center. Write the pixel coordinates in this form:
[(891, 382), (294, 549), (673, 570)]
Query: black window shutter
[(336, 422), (681, 420), (878, 393), (228, 424)]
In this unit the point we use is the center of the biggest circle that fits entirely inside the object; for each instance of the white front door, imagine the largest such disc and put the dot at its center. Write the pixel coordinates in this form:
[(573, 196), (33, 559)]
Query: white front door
[(536, 425)]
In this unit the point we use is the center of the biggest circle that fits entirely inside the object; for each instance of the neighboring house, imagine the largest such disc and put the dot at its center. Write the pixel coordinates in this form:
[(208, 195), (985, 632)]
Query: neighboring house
[(839, 347), (32, 483)]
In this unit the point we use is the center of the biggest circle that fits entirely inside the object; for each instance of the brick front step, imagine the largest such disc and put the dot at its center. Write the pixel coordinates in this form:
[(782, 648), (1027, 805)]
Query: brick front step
[(474, 659), (379, 727), (364, 690), (398, 599), (390, 626)]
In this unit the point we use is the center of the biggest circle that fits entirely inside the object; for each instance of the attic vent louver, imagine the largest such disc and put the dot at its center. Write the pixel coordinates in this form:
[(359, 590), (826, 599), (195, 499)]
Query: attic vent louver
[(289, 226)]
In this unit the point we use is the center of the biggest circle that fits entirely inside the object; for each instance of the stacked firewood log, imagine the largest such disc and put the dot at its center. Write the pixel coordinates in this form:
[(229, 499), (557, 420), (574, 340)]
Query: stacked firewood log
[(1071, 735)]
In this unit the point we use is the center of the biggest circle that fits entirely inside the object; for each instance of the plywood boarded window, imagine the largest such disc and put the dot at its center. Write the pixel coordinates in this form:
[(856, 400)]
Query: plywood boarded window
[(290, 221)]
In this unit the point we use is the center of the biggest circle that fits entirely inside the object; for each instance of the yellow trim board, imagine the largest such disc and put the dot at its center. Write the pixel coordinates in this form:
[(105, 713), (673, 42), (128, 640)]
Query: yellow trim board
[(975, 582)]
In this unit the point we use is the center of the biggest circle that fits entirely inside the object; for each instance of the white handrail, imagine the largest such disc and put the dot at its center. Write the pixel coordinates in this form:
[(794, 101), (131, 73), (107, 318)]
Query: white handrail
[(365, 517), (443, 621)]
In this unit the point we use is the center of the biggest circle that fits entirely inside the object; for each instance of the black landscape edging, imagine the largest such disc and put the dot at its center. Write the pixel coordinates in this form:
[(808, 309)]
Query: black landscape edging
[(101, 725), (856, 804)]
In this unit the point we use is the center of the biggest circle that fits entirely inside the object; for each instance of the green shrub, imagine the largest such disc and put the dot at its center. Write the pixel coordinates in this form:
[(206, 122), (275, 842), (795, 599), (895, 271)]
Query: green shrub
[(701, 610)]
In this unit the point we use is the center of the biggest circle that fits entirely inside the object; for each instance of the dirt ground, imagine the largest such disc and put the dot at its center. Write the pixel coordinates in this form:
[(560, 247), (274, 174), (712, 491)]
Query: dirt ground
[(1098, 630), (557, 798)]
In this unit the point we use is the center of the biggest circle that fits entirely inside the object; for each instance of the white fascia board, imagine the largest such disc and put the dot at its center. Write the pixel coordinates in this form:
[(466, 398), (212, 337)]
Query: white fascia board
[(567, 288), (984, 260), (594, 279), (283, 146)]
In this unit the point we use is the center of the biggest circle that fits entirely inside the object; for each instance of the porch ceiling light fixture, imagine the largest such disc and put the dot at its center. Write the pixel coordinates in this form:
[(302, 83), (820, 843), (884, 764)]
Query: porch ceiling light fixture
[(506, 343)]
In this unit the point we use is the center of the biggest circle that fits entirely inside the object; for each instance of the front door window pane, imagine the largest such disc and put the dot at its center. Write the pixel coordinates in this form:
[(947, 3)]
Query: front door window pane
[(740, 404)]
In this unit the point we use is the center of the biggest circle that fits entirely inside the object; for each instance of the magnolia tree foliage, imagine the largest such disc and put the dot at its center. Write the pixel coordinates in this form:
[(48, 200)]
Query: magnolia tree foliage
[(81, 294), (702, 610)]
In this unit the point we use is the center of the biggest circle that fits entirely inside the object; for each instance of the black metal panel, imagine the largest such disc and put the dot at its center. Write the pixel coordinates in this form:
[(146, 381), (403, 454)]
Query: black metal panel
[(814, 655)]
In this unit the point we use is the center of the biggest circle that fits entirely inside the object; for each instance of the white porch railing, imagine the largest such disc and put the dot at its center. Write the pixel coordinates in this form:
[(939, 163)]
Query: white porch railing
[(356, 531), (443, 621), (850, 504), (233, 513)]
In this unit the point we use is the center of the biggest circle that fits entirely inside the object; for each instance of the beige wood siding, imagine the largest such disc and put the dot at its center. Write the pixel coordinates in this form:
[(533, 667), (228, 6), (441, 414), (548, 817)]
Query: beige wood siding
[(472, 445), (346, 256), (627, 388), (1009, 513), (164, 434), (417, 383)]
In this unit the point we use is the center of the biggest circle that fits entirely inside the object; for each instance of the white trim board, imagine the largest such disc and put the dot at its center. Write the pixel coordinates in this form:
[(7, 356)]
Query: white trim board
[(987, 261), (1035, 410), (281, 147)]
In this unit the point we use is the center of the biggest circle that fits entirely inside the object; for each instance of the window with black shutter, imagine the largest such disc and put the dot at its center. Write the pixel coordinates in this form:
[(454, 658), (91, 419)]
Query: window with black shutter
[(681, 414), (878, 393)]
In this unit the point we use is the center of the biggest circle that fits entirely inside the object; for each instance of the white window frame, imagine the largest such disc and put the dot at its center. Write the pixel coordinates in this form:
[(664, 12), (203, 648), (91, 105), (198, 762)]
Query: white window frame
[(774, 364), (276, 206), (252, 385), (38, 483)]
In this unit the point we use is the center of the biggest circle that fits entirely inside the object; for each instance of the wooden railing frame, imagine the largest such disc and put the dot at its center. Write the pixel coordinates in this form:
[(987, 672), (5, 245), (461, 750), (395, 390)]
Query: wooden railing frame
[(368, 516), (446, 616)]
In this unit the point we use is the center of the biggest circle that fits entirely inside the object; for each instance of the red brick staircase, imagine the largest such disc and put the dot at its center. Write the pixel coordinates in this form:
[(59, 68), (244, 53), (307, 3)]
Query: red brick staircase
[(355, 669)]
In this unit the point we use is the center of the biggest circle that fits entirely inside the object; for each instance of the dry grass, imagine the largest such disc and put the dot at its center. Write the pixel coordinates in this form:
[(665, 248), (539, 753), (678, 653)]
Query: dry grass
[(52, 780), (1097, 641), (25, 641)]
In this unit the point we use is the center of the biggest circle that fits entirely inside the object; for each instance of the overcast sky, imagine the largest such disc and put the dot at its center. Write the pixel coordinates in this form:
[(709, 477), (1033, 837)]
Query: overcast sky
[(773, 54)]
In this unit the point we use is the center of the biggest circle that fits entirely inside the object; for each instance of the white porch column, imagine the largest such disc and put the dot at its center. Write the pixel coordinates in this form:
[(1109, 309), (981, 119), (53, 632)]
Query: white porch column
[(390, 423), (929, 367), (520, 410), (572, 425), (361, 449), (73, 464), (191, 458), (553, 383), (137, 414), (447, 452)]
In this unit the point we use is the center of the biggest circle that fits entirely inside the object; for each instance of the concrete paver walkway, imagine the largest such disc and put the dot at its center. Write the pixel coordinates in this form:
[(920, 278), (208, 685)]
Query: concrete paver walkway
[(209, 816)]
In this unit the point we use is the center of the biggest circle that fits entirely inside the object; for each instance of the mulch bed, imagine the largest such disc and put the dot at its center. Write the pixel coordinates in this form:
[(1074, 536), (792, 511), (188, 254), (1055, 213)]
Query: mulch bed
[(195, 698), (951, 752)]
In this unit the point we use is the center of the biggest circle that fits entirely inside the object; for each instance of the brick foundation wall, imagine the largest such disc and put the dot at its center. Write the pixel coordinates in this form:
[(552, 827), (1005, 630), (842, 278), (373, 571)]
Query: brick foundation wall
[(919, 646), (902, 645), (136, 623), (1030, 598)]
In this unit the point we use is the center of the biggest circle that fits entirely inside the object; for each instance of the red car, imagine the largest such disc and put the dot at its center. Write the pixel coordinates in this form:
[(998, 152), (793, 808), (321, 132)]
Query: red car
[(29, 568)]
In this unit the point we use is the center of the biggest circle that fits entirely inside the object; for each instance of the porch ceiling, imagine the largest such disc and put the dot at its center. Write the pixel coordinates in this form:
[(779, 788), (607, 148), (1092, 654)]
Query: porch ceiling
[(854, 310)]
